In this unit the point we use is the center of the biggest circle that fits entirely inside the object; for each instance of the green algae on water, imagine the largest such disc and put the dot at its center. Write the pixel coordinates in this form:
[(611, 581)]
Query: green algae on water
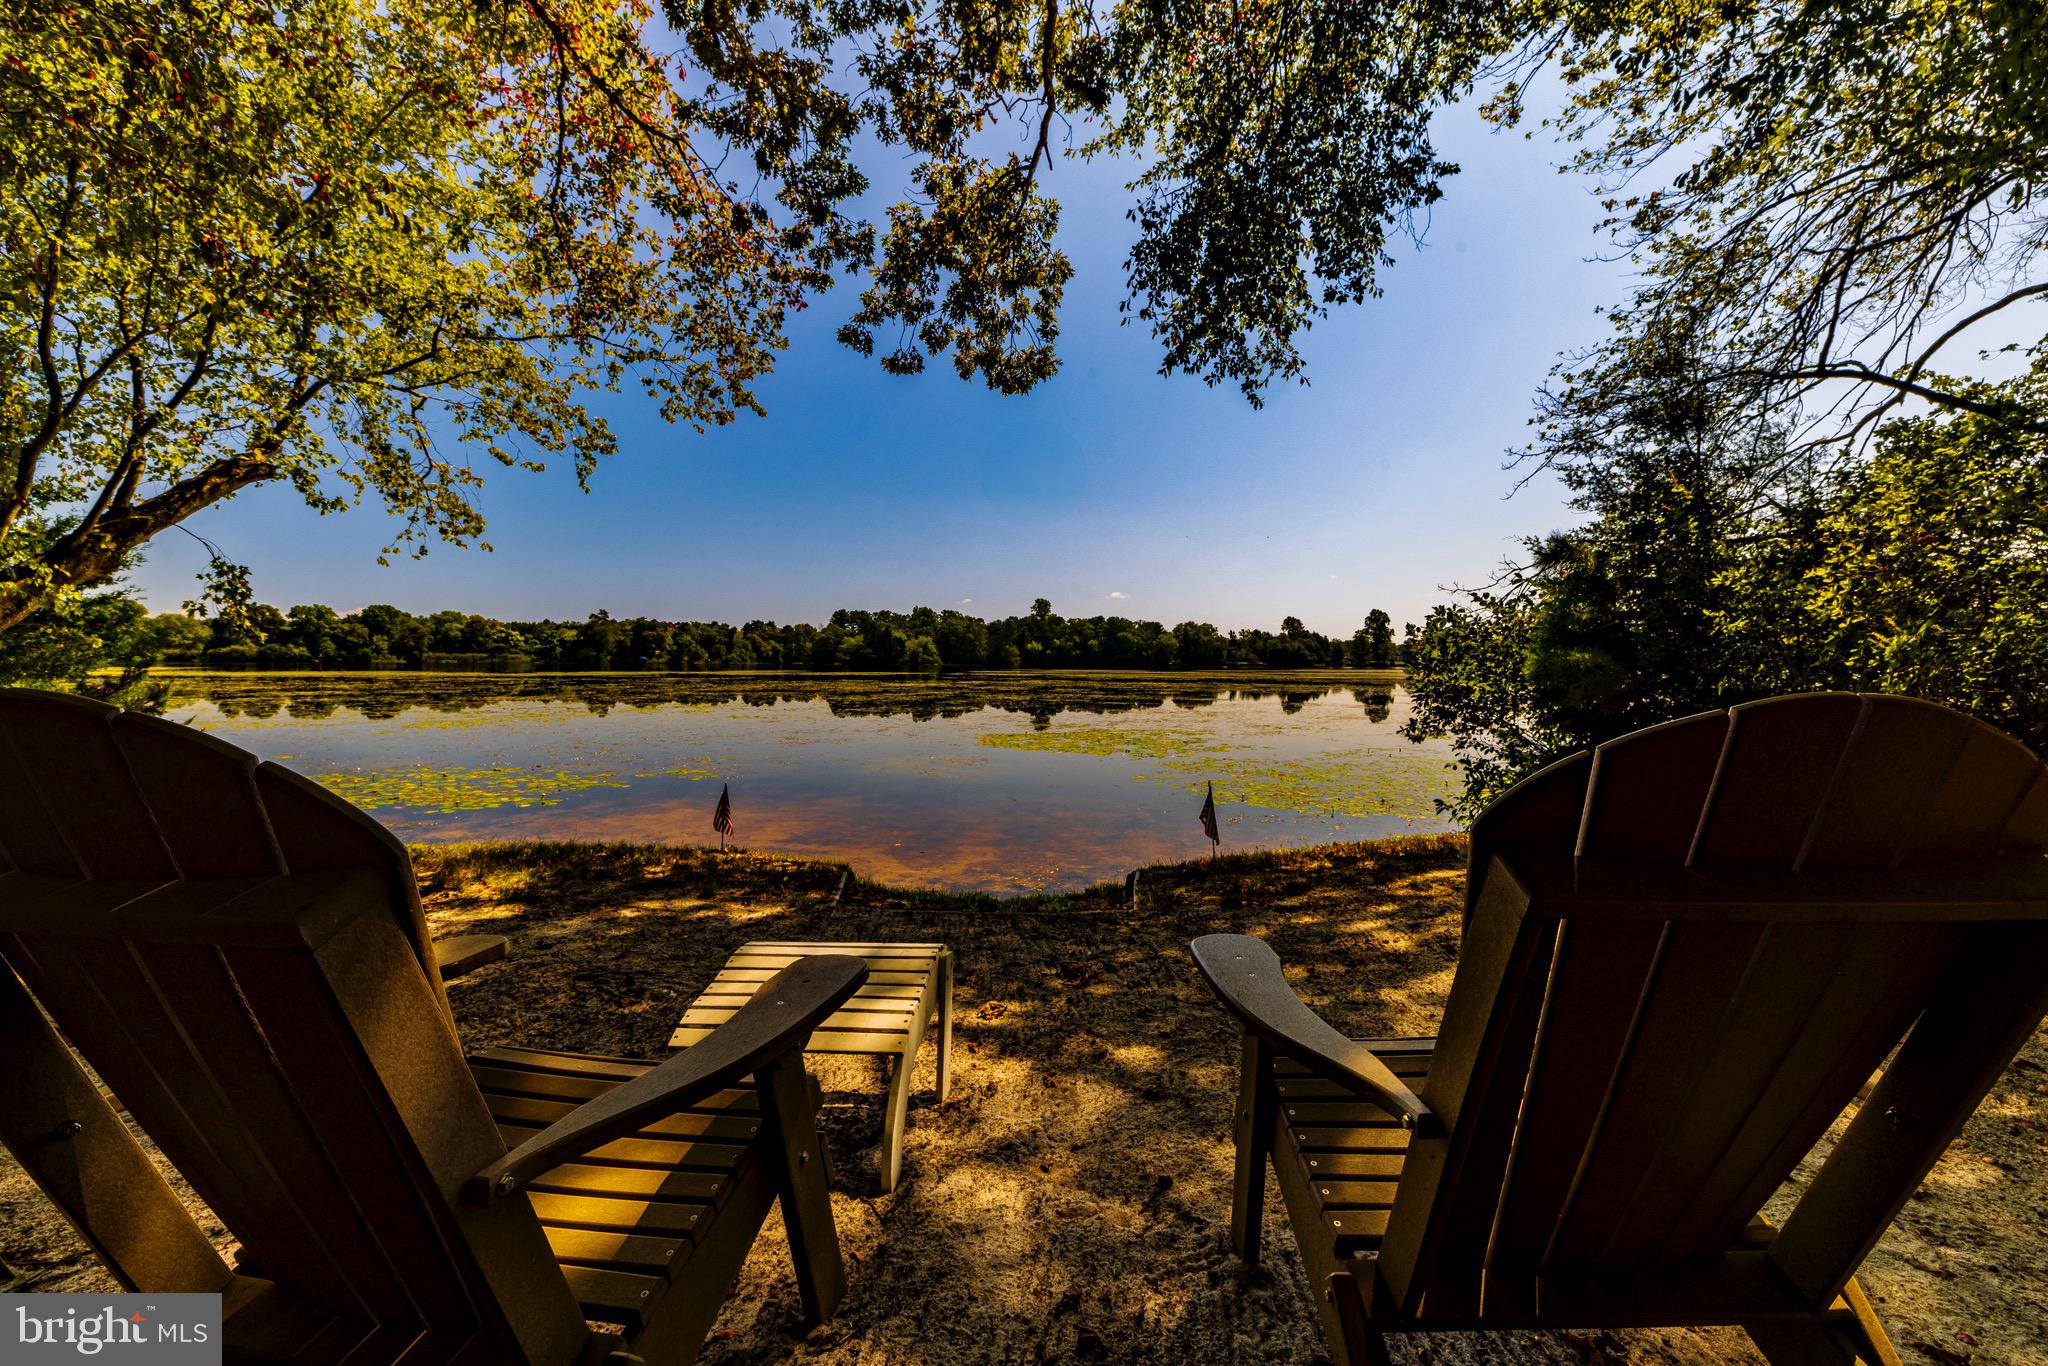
[(1102, 741), (447, 791)]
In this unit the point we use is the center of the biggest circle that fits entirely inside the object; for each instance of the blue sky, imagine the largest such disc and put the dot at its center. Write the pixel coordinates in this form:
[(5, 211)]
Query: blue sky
[(1109, 489)]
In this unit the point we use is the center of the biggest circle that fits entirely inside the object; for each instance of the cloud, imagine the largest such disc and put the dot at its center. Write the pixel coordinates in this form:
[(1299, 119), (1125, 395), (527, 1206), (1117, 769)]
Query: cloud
[(967, 602), (1118, 597)]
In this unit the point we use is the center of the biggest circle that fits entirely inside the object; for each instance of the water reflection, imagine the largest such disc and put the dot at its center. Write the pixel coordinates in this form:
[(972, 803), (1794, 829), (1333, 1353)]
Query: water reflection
[(999, 782), (1042, 697)]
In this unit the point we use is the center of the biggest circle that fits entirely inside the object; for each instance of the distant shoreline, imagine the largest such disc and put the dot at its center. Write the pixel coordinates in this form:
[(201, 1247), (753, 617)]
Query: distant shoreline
[(1394, 673)]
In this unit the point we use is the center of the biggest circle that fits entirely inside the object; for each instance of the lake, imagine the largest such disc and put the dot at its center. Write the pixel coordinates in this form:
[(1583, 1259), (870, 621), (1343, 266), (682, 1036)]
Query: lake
[(1001, 782)]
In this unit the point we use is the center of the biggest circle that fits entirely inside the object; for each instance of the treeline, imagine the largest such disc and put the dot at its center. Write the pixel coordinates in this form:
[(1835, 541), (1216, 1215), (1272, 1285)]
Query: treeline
[(919, 641)]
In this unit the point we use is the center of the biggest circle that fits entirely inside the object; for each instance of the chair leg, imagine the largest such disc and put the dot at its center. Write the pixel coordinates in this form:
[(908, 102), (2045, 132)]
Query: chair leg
[(1853, 1338), (800, 1185), (1257, 1110), (1357, 1342), (896, 1109), (945, 977)]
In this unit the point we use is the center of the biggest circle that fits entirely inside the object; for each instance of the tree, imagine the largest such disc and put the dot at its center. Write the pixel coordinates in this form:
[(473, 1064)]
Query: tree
[(1865, 193), (97, 644), (1932, 572), (357, 247), (1199, 645), (173, 635), (374, 248), (1372, 645), (1922, 571), (920, 656)]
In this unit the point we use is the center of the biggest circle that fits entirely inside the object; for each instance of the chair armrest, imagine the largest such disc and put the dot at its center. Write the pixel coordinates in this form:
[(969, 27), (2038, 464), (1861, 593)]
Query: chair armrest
[(466, 952), (1245, 975), (777, 1021)]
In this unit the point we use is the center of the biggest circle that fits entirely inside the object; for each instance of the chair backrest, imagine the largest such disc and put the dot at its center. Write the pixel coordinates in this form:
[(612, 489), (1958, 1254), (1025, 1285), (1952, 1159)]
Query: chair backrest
[(91, 791), (1687, 952), (274, 1032)]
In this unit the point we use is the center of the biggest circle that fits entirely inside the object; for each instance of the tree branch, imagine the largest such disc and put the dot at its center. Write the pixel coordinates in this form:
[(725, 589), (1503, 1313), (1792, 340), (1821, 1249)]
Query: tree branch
[(31, 450)]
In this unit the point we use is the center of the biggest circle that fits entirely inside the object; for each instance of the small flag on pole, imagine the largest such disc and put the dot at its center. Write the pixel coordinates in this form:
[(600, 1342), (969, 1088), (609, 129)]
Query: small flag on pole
[(1209, 820), (721, 821)]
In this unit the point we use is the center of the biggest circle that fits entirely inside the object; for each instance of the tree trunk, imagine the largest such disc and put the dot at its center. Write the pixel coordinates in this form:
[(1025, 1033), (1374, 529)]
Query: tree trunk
[(80, 559)]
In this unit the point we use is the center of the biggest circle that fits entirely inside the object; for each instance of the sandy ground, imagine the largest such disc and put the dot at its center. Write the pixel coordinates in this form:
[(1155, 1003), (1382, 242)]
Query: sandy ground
[(1069, 1203)]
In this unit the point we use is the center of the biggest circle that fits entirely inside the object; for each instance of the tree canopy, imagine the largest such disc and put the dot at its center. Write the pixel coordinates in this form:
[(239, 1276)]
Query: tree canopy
[(920, 640), (1923, 571), (376, 248)]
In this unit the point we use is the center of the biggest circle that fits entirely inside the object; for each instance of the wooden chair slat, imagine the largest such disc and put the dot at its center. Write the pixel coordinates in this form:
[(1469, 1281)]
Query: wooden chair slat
[(1969, 814), (883, 1021), (826, 1040), (712, 1129), (808, 946), (100, 1166), (1541, 812), (893, 986), (1988, 1003), (131, 1044), (1770, 1012), (202, 793), (644, 1152), (461, 954), (638, 1183), (619, 1297), (1315, 1088), (236, 1062), (1685, 1014), (1308, 1114), (655, 1218), (1339, 1141), (772, 963), (630, 1252), (262, 1323), (405, 1120), (881, 1008), (1902, 753), (1646, 790), (2026, 828), (1346, 1193), (1866, 1007), (753, 977), (567, 1064), (318, 832), (66, 745), (29, 838), (1374, 1165), (1600, 969), (1489, 1030), (1775, 774)]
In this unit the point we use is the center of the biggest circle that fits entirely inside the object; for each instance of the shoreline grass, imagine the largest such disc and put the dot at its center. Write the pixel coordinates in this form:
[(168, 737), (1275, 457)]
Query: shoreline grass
[(743, 871)]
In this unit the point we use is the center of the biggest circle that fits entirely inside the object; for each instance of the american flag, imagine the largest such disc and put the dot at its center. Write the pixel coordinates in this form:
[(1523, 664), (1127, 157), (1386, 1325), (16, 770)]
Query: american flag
[(1209, 816), (721, 820)]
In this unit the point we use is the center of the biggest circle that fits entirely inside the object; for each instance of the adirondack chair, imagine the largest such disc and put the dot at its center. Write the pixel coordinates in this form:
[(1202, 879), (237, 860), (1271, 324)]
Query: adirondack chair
[(241, 958), (1686, 952)]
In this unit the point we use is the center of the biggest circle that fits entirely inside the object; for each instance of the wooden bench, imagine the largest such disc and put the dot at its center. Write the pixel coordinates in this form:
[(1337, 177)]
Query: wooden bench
[(906, 984)]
